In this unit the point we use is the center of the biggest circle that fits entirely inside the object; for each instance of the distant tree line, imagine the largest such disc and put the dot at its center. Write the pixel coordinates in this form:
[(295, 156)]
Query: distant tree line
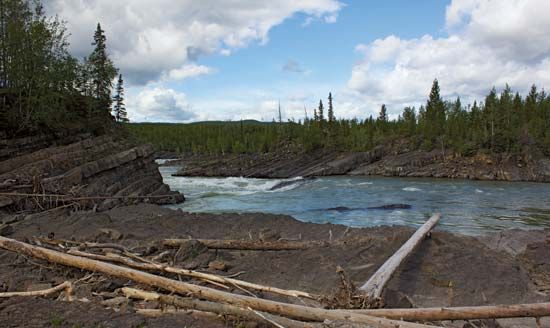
[(44, 88), (502, 123)]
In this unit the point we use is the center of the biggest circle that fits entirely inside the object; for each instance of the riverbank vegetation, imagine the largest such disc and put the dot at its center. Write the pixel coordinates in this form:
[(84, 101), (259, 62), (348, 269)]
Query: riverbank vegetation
[(43, 88), (505, 122)]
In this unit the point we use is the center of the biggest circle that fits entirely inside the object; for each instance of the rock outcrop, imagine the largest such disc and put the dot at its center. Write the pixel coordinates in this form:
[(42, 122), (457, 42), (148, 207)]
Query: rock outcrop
[(90, 172), (389, 160)]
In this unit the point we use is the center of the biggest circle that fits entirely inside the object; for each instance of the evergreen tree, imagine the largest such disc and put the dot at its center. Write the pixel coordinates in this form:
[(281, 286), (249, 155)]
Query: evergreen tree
[(280, 115), (120, 110), (409, 120), (490, 113), (37, 73), (435, 114), (320, 111), (331, 117), (315, 115), (383, 114), (102, 71)]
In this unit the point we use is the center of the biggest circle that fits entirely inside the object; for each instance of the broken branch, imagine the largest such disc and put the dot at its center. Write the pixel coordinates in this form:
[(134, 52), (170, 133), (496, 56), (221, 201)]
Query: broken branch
[(194, 274), (66, 286), (463, 313), (193, 304), (251, 245)]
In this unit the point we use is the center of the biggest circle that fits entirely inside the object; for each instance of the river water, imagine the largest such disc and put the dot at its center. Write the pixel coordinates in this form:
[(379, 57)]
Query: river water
[(469, 207)]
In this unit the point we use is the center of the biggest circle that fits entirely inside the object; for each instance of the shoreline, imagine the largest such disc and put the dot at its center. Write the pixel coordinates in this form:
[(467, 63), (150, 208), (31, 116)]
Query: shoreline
[(446, 259), (378, 162)]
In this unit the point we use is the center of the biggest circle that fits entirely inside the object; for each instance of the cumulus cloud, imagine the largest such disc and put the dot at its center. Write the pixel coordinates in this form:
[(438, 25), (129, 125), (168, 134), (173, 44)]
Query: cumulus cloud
[(160, 105), (189, 71), (148, 40), (292, 66), (488, 43)]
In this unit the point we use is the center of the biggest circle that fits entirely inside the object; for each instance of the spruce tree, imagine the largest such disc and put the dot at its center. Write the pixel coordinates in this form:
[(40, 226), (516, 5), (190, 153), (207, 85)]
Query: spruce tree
[(383, 114), (280, 114), (435, 113), (320, 111), (120, 110), (102, 71), (331, 118)]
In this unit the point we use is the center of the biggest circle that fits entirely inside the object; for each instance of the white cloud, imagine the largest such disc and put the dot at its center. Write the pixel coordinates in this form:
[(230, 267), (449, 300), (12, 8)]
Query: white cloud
[(159, 104), (189, 71), (292, 66), (332, 18), (148, 40), (489, 43)]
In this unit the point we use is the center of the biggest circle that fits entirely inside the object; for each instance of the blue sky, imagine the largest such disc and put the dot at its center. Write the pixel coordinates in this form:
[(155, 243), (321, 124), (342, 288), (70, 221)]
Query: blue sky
[(323, 52), (233, 59)]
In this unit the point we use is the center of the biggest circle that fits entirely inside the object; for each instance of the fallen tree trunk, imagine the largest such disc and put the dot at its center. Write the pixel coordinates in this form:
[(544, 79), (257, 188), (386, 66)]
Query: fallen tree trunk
[(66, 286), (293, 311), (374, 286), (251, 245), (534, 310), (218, 308), (191, 273), (62, 197)]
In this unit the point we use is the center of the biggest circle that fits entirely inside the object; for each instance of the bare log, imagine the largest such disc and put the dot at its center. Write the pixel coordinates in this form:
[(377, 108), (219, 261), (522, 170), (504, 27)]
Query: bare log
[(194, 274), (298, 312), (205, 306), (534, 310), (374, 286), (66, 286), (63, 197), (251, 245)]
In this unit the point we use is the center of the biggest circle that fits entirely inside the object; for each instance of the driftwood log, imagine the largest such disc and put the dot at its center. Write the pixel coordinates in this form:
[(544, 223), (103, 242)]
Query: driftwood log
[(374, 286), (251, 245), (534, 310), (293, 311), (66, 286), (218, 308), (63, 197), (191, 273)]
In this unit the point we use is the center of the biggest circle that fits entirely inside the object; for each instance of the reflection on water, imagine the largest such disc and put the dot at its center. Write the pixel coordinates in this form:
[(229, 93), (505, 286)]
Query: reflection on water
[(471, 207)]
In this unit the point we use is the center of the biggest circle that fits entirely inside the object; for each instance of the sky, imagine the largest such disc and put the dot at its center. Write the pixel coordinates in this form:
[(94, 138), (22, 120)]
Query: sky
[(188, 60)]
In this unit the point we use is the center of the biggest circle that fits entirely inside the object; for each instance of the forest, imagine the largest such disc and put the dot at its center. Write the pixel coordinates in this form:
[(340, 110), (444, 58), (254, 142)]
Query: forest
[(43, 88), (504, 122)]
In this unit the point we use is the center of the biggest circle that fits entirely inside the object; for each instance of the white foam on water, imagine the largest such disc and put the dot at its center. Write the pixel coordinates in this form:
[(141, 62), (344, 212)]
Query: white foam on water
[(411, 189), (161, 161), (208, 187), (479, 191), (365, 183)]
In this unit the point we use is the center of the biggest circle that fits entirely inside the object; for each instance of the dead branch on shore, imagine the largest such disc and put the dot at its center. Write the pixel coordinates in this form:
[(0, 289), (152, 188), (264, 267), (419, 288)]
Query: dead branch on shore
[(218, 308), (533, 310), (210, 278), (252, 245), (376, 283), (63, 197), (66, 286), (293, 311), (145, 264)]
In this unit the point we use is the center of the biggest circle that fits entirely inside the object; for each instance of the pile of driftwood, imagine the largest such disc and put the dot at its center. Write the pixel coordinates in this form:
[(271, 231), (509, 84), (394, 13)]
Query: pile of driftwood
[(122, 263)]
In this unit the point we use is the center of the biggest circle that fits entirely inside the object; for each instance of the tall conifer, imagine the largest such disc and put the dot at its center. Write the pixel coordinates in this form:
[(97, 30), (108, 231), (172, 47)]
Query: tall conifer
[(102, 71), (120, 110), (331, 118)]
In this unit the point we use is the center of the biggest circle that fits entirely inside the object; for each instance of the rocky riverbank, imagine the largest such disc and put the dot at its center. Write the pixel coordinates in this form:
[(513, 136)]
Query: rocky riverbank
[(86, 172), (392, 160), (447, 270)]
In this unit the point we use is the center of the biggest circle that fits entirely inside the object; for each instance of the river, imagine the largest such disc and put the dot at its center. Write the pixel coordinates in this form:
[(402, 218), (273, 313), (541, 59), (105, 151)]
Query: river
[(469, 207)]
